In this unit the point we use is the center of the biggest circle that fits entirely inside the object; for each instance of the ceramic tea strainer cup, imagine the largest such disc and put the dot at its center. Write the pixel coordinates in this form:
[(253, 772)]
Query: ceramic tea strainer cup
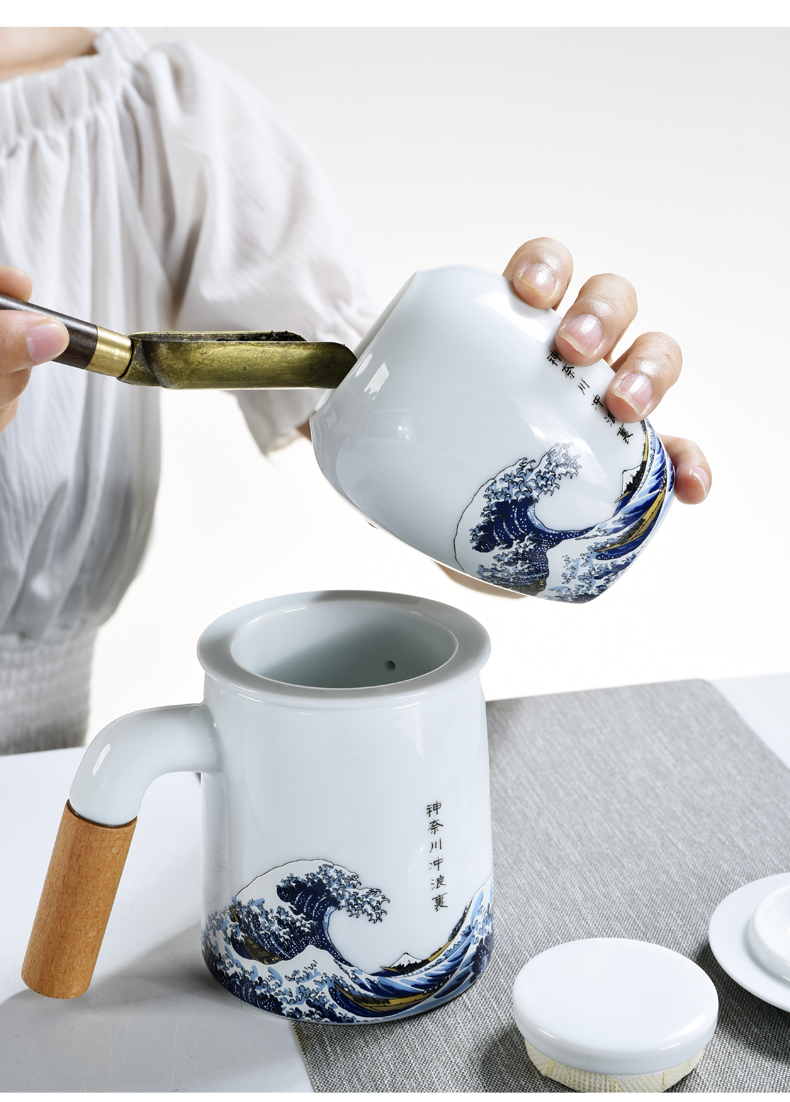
[(346, 821), (462, 432), (455, 425)]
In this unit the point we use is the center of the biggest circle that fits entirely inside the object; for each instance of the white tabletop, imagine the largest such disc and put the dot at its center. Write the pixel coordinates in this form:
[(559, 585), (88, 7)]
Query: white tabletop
[(153, 1018), (764, 703)]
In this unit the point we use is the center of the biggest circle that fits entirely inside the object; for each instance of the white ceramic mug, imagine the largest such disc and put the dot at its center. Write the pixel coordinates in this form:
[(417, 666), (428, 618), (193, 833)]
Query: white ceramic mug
[(347, 840), (464, 433)]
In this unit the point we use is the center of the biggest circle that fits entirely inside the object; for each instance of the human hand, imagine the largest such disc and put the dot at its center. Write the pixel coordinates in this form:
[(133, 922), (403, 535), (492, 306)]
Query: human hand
[(25, 340), (540, 271)]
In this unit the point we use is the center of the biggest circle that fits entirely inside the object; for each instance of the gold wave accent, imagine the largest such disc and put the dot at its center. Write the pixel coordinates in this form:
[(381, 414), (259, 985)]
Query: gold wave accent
[(373, 1003), (645, 522), (256, 951)]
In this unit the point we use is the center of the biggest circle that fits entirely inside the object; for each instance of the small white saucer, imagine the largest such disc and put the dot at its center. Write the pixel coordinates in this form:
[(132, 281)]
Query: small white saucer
[(727, 937)]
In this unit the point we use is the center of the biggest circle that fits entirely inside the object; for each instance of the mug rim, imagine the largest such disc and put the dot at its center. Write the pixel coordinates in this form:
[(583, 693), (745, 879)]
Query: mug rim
[(215, 650)]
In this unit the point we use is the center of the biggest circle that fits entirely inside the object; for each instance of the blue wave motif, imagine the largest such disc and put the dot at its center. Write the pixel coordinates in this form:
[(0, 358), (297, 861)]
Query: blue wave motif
[(613, 544), (282, 918), (602, 551)]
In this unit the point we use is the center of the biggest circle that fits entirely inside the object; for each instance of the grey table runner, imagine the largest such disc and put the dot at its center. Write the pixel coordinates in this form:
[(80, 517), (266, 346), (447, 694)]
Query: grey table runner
[(617, 813)]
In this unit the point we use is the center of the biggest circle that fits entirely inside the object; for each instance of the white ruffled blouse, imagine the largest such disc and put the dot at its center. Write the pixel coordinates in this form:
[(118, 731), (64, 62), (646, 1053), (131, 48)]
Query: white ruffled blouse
[(142, 189)]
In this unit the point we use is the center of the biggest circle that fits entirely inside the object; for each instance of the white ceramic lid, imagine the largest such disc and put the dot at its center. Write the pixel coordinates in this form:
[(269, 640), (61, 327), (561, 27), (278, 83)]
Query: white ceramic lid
[(728, 934), (768, 933), (615, 1006)]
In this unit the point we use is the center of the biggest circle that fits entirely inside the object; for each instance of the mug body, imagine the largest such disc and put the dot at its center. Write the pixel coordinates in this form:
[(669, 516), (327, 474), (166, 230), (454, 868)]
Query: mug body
[(347, 841), (462, 432)]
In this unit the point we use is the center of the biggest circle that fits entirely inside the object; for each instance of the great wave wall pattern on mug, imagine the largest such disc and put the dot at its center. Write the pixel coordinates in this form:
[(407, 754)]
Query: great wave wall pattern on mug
[(271, 948), (500, 539)]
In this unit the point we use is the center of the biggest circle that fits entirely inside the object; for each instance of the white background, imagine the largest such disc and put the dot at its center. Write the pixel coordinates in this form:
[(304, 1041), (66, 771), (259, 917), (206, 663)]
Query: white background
[(660, 154)]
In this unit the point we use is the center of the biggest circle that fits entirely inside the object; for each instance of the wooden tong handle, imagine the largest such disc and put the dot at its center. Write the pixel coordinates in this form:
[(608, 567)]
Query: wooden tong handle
[(89, 346), (76, 901)]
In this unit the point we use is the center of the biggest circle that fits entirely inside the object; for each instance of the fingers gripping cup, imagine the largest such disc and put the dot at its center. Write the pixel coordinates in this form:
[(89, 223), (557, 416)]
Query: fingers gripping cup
[(346, 822), (463, 432)]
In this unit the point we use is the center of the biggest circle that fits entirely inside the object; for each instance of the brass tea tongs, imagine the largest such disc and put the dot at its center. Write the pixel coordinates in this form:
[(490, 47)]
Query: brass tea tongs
[(191, 361)]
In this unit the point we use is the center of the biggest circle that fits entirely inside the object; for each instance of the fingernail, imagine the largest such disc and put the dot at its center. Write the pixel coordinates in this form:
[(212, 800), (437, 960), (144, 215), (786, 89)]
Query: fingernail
[(540, 278), (584, 333), (701, 476), (45, 341), (637, 390)]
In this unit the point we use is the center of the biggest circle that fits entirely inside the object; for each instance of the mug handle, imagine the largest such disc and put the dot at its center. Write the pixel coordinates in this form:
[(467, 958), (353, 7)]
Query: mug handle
[(95, 834)]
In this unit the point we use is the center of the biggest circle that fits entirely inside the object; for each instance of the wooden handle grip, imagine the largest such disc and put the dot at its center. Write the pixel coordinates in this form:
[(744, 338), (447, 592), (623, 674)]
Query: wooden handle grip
[(89, 346), (82, 879), (83, 334)]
